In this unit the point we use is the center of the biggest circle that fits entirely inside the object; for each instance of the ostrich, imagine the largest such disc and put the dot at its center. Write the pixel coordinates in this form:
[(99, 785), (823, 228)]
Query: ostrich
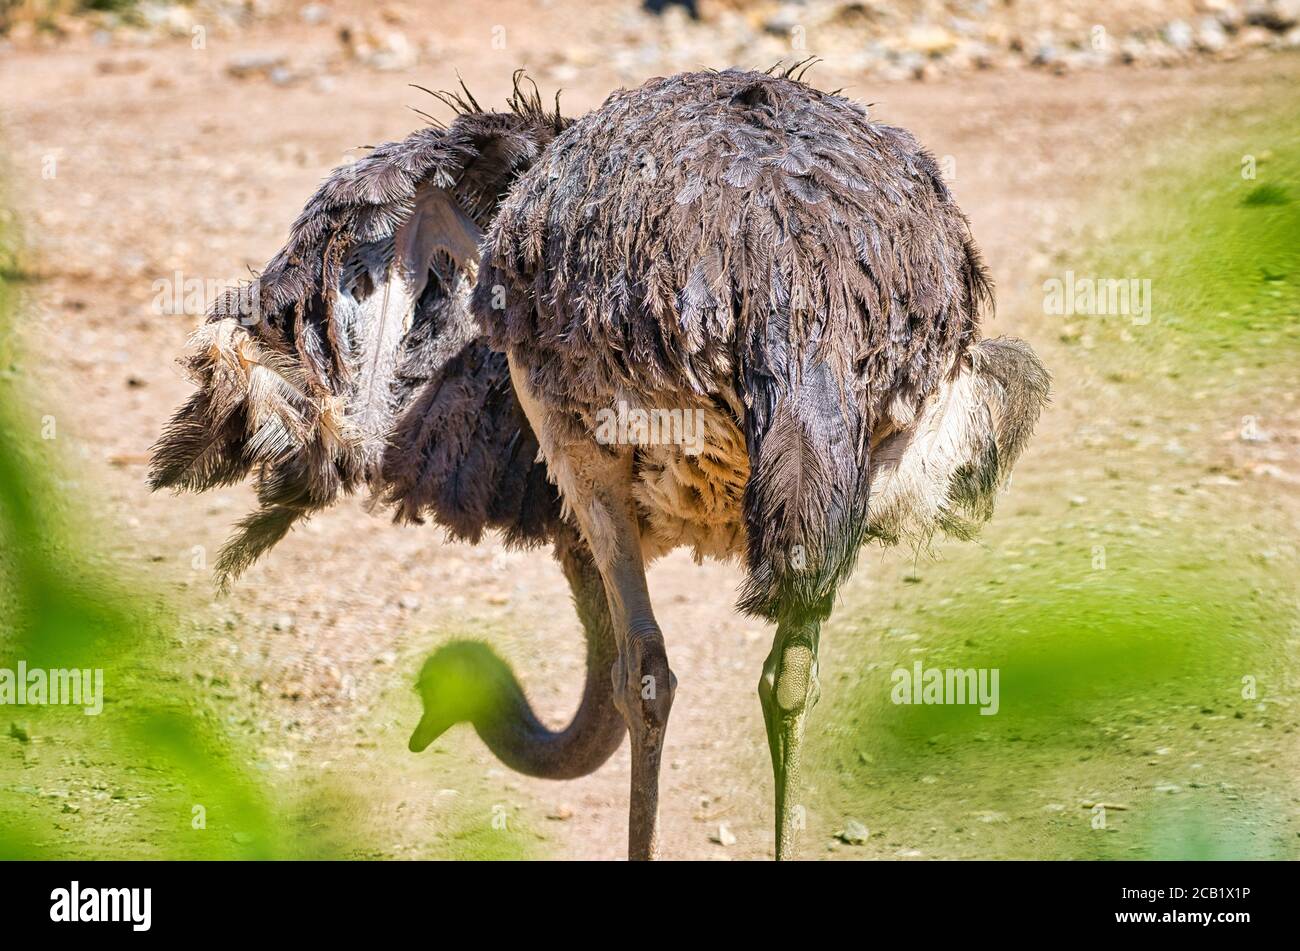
[(454, 319)]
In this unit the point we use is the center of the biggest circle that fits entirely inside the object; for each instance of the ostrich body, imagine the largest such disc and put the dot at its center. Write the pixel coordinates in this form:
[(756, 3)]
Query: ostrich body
[(736, 248)]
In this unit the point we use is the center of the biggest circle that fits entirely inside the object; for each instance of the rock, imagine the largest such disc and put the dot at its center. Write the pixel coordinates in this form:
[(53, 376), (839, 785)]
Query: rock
[(314, 13), (179, 21), (1134, 52), (929, 40), (121, 67), (723, 836), (1227, 13), (560, 813), (71, 807), (409, 602), (1276, 15), (977, 54), (784, 19), (284, 622), (1254, 36), (927, 73), (964, 26), (1211, 37), (1178, 34), (853, 833), (389, 52), (1045, 55), (1160, 53), (19, 732), (395, 53), (910, 62), (255, 64)]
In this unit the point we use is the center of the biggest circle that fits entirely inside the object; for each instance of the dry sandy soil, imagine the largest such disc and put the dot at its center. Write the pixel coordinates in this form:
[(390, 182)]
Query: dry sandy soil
[(166, 164)]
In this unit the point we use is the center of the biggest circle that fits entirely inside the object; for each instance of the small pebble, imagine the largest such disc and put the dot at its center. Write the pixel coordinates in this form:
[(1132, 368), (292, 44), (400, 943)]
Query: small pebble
[(723, 836), (853, 833)]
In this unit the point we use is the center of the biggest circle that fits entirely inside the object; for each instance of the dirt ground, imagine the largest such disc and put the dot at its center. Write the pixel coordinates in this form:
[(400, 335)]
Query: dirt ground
[(167, 164)]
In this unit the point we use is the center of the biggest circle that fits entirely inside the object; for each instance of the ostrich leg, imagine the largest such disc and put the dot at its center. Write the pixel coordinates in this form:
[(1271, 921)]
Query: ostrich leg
[(788, 690), (596, 483), (643, 683)]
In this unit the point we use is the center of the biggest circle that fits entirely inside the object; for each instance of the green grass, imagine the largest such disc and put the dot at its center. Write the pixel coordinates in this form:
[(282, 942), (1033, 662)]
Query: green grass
[(1216, 229), (1121, 684)]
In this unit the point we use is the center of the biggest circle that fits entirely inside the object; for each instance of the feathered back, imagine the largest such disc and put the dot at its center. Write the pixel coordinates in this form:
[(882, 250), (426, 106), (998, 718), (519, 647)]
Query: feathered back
[(736, 232), (689, 224), (304, 375)]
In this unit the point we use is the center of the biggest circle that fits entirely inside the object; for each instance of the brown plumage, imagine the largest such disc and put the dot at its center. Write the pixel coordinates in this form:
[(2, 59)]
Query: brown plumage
[(746, 247), (736, 250), (304, 374), (742, 233)]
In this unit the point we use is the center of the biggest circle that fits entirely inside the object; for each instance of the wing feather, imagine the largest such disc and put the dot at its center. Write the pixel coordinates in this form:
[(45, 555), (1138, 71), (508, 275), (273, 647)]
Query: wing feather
[(303, 375)]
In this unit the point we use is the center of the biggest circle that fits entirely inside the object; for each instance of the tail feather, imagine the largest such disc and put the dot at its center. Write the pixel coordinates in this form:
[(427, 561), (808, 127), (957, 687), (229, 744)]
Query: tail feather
[(820, 487), (199, 448), (806, 501), (255, 534), (943, 472), (244, 394), (304, 373), (252, 410)]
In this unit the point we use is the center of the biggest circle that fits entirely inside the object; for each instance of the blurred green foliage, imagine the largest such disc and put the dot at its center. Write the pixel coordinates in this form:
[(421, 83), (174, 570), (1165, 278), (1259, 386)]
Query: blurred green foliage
[(158, 774), (1121, 665), (1216, 228), (44, 14), (63, 607)]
